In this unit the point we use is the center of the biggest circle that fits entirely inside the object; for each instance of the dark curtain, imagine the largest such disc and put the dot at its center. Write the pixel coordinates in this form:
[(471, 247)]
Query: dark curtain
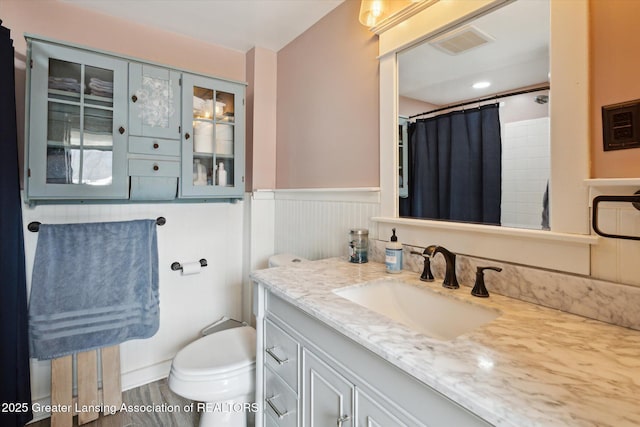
[(15, 386), (455, 166)]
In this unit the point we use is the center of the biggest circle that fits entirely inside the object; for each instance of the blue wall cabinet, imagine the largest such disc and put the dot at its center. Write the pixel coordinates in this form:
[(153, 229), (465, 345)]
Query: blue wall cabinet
[(104, 127), (212, 138), (77, 124)]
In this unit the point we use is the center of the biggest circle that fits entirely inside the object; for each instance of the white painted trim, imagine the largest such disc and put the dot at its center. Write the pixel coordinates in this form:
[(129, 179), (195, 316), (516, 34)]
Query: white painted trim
[(494, 230), (611, 187), (146, 375), (356, 195), (612, 182), (567, 247), (263, 195), (548, 250), (402, 16)]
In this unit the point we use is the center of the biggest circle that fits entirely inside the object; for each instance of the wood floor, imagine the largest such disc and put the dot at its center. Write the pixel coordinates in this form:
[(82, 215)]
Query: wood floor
[(156, 393)]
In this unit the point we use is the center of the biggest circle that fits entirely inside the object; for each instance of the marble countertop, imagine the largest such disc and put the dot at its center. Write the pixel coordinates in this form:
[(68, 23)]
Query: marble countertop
[(532, 366)]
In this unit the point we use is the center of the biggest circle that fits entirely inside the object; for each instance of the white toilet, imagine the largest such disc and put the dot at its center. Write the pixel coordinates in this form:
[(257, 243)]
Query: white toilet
[(219, 371)]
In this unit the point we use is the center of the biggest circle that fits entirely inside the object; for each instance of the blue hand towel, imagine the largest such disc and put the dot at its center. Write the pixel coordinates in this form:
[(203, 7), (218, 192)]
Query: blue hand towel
[(93, 285)]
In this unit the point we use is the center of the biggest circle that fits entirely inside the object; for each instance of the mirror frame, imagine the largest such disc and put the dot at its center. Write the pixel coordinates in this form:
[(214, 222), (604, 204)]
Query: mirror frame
[(567, 246)]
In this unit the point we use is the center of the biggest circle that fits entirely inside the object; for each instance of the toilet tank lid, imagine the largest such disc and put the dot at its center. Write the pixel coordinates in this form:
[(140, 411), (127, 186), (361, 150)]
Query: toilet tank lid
[(219, 352), (278, 260)]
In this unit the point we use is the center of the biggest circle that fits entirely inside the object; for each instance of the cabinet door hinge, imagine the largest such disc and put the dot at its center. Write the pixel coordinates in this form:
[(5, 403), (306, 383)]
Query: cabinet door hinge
[(243, 179), (29, 172), (179, 130), (180, 81), (31, 63)]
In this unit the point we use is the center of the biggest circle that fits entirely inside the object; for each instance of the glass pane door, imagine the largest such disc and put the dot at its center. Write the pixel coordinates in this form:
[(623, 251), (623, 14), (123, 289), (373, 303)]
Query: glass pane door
[(79, 124), (213, 137)]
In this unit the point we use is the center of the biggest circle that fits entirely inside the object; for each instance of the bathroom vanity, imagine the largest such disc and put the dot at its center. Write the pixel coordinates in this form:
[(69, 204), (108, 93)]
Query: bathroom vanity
[(323, 359)]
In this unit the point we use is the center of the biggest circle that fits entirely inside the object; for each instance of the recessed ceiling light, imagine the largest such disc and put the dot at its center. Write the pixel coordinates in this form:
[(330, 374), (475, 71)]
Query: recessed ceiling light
[(481, 85)]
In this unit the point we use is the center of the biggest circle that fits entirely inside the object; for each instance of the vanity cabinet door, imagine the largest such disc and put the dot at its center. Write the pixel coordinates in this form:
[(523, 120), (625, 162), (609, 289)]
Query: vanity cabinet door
[(213, 138), (77, 124), (373, 413), (328, 396), (154, 101)]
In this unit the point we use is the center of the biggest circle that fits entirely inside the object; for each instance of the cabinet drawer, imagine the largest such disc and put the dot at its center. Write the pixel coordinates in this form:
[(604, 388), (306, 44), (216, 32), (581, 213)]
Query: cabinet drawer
[(143, 167), (281, 354), (280, 402), (155, 146)]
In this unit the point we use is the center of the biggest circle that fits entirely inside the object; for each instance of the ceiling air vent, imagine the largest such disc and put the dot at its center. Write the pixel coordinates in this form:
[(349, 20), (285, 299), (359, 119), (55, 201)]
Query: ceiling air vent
[(461, 40)]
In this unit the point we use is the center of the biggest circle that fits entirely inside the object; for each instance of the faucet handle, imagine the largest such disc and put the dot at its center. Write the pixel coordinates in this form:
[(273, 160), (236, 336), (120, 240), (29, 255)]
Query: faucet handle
[(426, 275), (479, 288)]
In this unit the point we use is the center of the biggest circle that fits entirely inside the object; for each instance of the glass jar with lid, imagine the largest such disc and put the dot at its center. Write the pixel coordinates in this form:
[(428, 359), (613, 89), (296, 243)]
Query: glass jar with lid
[(359, 245)]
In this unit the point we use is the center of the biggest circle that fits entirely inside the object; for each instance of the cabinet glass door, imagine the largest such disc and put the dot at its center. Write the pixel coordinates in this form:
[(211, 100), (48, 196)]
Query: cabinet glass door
[(73, 146), (211, 149)]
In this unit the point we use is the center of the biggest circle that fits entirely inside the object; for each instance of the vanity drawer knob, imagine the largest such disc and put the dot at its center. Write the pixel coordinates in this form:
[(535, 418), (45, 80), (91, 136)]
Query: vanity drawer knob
[(275, 409), (187, 136), (121, 130), (275, 356), (134, 98), (156, 145), (156, 167)]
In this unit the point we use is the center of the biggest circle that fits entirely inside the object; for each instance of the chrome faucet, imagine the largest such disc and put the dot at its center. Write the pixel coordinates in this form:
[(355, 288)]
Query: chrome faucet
[(450, 280)]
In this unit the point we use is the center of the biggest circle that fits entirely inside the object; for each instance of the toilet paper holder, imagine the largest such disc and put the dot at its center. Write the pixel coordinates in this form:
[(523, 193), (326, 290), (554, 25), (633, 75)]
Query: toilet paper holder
[(177, 266)]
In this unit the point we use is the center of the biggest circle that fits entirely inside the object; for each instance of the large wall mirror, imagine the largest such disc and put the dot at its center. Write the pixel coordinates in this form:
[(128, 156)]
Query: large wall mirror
[(474, 125), (545, 43)]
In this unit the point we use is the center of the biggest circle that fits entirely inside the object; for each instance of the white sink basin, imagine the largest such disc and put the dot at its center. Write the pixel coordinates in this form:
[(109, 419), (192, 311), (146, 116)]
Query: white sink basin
[(421, 309)]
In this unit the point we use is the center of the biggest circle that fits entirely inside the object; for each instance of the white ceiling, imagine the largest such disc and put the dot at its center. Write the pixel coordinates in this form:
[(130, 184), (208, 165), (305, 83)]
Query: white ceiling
[(518, 57), (234, 24)]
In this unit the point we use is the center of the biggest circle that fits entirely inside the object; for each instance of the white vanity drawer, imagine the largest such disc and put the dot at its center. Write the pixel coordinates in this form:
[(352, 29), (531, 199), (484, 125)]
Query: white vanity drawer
[(280, 402), (281, 354)]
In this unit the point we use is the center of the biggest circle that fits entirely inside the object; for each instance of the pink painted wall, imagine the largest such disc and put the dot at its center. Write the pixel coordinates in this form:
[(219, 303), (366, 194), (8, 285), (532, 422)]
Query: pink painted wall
[(614, 46), (327, 108), (262, 67)]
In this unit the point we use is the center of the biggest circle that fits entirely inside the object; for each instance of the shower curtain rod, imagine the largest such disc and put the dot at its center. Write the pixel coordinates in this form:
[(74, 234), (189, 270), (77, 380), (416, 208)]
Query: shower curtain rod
[(489, 98)]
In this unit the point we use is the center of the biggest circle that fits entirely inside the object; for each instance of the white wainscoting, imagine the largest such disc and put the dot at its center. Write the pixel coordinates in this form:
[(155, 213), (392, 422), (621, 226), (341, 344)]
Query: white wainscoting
[(315, 223), (213, 231)]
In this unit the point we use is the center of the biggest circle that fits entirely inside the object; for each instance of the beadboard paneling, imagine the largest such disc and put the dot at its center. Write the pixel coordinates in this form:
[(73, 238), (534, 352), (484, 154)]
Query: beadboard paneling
[(316, 226)]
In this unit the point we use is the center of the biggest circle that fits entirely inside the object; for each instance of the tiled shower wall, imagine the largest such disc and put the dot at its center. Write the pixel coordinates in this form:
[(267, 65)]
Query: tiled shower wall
[(525, 172)]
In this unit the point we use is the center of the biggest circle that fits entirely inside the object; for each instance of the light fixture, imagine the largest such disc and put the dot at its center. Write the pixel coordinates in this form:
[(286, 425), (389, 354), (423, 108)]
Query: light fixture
[(481, 85), (372, 12)]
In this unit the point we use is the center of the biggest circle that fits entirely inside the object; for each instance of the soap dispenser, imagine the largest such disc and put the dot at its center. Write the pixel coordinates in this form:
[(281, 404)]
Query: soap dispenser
[(393, 254)]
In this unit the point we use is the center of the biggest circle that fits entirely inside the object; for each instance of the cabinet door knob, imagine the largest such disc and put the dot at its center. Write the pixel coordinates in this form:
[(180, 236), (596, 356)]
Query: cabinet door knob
[(134, 98), (121, 130), (156, 145), (187, 136), (156, 167)]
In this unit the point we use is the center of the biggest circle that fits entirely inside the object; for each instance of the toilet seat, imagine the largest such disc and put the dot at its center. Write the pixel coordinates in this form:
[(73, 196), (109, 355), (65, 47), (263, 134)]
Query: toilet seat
[(219, 354)]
